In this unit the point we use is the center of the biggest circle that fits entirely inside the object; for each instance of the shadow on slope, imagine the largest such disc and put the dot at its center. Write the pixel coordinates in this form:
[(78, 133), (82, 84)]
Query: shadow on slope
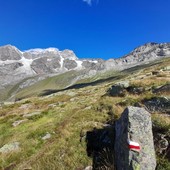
[(81, 85), (119, 75), (55, 84), (100, 147)]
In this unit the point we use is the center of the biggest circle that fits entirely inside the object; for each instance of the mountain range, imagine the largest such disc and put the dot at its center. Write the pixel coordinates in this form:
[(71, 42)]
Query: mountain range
[(61, 112), (31, 66)]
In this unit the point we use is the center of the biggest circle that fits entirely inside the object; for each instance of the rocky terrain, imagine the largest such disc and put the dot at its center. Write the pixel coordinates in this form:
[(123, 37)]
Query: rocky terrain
[(65, 128), (20, 69)]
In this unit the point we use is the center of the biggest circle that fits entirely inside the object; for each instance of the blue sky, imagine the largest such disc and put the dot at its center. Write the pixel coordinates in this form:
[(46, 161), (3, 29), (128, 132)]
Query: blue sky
[(97, 28)]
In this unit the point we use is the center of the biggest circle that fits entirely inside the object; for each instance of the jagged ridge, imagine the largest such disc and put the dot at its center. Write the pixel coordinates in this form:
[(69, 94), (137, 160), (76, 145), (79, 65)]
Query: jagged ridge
[(16, 65)]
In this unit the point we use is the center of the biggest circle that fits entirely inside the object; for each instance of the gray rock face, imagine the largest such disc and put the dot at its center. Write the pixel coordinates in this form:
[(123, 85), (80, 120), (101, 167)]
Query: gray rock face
[(41, 66), (94, 64), (68, 54), (134, 125), (70, 64), (7, 68), (9, 52), (147, 52)]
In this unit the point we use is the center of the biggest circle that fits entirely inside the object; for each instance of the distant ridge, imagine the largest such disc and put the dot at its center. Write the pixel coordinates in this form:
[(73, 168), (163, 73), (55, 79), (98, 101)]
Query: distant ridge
[(16, 65)]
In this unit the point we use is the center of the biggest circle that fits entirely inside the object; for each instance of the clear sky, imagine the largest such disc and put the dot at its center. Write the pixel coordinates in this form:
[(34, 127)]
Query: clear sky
[(91, 28)]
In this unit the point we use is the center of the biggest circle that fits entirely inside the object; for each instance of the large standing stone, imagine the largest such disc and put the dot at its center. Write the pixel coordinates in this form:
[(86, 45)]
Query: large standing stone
[(134, 125)]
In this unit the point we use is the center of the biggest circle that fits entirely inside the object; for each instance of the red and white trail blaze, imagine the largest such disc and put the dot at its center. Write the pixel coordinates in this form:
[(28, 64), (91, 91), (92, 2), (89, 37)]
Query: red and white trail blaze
[(134, 145)]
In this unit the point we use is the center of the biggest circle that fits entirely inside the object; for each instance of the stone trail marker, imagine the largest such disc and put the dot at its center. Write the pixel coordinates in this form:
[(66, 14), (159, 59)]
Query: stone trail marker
[(134, 147)]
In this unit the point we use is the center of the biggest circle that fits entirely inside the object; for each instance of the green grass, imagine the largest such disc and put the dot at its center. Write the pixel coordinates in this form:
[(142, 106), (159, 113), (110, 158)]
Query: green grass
[(89, 107), (63, 123)]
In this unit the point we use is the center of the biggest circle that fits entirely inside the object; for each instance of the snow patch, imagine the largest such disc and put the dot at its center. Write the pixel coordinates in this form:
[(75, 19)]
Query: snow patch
[(26, 65), (61, 61), (79, 64), (94, 61), (8, 62), (49, 59), (37, 51)]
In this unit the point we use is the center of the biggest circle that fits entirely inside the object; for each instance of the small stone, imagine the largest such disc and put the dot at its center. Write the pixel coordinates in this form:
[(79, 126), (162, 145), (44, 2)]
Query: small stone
[(70, 93), (88, 168), (52, 105), (74, 99), (10, 147), (32, 114), (124, 84), (18, 122), (47, 136), (88, 108), (25, 106)]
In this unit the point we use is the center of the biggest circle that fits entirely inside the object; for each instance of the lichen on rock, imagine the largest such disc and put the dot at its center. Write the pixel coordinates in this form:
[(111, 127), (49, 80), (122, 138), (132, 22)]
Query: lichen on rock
[(135, 125)]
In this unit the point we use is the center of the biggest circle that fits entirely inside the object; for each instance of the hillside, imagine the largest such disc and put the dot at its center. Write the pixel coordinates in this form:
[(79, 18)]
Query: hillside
[(44, 129), (45, 68)]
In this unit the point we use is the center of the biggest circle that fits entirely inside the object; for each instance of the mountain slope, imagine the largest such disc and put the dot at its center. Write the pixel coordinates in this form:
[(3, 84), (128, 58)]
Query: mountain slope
[(19, 69), (46, 130)]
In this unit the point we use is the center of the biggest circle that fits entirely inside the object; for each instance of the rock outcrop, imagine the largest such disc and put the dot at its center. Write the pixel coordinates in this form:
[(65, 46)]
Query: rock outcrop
[(158, 104), (163, 89), (118, 89), (134, 128)]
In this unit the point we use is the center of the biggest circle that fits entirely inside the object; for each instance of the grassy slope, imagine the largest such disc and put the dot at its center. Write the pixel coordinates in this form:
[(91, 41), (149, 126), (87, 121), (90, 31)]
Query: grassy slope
[(56, 82), (64, 121)]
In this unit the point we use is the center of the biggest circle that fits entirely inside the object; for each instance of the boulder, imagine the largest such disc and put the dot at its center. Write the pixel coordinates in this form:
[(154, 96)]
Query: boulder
[(136, 90), (10, 147), (158, 104), (162, 89), (161, 143), (116, 91), (134, 147)]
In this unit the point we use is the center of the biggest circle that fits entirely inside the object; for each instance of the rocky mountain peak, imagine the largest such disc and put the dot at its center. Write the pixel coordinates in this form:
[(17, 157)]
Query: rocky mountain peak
[(68, 54), (9, 52)]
